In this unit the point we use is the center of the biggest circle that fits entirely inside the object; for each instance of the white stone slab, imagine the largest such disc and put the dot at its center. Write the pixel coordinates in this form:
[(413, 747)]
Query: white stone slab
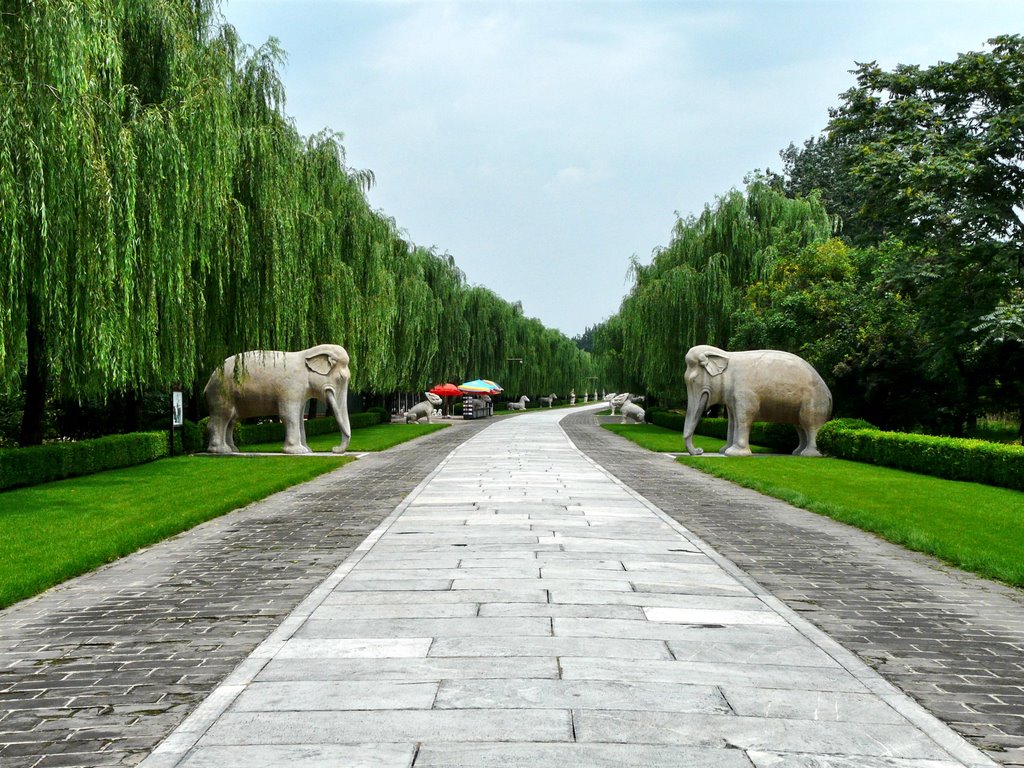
[(810, 705), (562, 647), (395, 628), (362, 648), (410, 669), (313, 695), (308, 756), (722, 731), (390, 726), (763, 617), (517, 755), (586, 694)]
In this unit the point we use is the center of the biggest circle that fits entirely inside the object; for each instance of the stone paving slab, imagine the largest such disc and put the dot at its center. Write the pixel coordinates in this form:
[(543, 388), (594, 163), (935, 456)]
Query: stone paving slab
[(952, 641), (596, 682)]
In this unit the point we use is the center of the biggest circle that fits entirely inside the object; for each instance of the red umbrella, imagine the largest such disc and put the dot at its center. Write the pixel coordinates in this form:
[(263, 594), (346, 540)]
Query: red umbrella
[(447, 390)]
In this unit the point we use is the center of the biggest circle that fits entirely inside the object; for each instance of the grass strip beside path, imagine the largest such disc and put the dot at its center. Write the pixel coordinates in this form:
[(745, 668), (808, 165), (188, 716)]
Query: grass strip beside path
[(379, 437), (975, 527), (655, 438), (52, 532)]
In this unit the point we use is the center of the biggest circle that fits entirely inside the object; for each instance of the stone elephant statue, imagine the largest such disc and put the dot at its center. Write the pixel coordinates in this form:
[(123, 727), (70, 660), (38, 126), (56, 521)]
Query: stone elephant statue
[(264, 383), (760, 385), (423, 409)]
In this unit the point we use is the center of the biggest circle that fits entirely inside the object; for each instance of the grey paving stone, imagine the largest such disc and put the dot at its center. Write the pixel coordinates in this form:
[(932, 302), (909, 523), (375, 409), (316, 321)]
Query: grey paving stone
[(390, 726), (562, 647), (319, 756), (734, 732), (409, 670), (586, 694), (810, 705), (436, 628), (328, 695), (794, 760), (589, 755)]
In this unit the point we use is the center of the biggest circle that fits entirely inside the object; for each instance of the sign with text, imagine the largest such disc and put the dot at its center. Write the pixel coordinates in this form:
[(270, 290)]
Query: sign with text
[(177, 410)]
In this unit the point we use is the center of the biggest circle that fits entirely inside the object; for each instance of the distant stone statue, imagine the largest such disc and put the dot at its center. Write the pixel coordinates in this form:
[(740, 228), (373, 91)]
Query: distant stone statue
[(572, 397), (760, 385), (519, 405), (586, 398), (266, 383), (422, 411), (632, 413), (547, 400)]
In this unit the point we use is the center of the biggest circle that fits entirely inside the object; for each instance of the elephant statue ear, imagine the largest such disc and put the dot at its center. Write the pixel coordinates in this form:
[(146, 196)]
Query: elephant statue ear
[(714, 364), (320, 363)]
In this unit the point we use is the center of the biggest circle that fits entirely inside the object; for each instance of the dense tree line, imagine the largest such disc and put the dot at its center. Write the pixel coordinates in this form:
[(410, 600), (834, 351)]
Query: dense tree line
[(159, 211), (888, 253)]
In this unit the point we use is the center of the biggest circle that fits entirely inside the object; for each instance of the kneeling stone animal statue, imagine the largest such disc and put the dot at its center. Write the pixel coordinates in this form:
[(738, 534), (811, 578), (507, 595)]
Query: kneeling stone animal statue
[(632, 413), (422, 410), (519, 405)]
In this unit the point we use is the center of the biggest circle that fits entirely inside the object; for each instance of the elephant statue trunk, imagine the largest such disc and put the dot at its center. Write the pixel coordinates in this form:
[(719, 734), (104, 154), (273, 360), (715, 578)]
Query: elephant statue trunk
[(693, 416), (340, 415)]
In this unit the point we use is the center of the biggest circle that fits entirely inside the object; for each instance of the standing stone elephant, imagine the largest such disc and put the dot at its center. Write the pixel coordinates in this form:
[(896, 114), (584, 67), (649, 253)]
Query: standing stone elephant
[(278, 384), (422, 410), (760, 385)]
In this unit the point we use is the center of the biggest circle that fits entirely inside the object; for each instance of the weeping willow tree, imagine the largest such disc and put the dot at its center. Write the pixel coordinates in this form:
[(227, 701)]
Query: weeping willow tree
[(159, 211), (110, 114), (689, 292)]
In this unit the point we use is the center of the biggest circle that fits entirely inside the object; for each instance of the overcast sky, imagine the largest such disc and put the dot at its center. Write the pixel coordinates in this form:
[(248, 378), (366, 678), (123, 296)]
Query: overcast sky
[(543, 144)]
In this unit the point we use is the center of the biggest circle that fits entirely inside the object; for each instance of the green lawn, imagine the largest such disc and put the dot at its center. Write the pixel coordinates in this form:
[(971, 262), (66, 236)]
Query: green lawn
[(379, 437), (52, 532), (662, 440), (975, 527)]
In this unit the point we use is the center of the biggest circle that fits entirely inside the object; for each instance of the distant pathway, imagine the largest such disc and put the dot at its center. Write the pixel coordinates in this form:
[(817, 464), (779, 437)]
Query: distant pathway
[(97, 671), (952, 641), (523, 608)]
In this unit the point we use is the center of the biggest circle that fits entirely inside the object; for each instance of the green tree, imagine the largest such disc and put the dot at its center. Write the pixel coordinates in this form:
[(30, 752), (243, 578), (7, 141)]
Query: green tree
[(936, 157)]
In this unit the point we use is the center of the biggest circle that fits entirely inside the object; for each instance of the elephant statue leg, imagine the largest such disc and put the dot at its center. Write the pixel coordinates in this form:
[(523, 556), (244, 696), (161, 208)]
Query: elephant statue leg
[(739, 435), (808, 441), (294, 429)]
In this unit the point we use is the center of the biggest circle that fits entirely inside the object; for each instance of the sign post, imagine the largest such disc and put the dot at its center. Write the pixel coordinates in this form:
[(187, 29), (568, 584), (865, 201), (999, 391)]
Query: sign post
[(177, 412)]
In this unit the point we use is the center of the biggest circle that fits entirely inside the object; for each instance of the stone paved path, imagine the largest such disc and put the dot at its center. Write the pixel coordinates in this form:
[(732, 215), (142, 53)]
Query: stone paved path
[(952, 641), (522, 607), (98, 671)]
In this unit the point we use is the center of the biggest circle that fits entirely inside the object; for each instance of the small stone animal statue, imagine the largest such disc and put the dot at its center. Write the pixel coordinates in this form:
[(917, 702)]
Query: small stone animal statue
[(548, 399), (572, 397), (279, 384), (760, 385), (519, 405), (422, 411), (632, 413)]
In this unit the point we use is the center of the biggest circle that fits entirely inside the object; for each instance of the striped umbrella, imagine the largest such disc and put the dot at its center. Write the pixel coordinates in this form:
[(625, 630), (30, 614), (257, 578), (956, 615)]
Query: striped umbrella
[(480, 387)]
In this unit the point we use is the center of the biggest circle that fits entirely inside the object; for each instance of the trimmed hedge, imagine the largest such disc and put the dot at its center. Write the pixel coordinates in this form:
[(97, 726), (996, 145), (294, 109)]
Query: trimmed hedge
[(952, 458), (56, 461), (779, 437), (273, 431)]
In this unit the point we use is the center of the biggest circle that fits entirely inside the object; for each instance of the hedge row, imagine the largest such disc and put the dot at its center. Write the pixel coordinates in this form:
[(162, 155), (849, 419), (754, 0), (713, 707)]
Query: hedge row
[(56, 461), (272, 432), (953, 458), (779, 437)]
